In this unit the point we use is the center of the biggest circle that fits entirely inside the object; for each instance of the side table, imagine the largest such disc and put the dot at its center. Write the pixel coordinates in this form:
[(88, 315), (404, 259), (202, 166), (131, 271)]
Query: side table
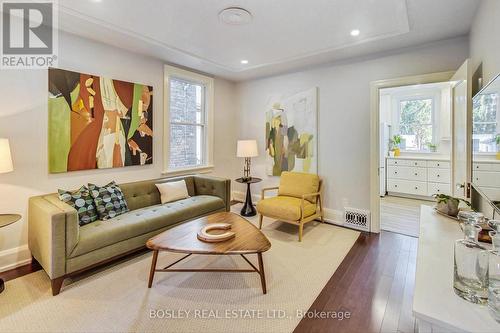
[(5, 220), (248, 208)]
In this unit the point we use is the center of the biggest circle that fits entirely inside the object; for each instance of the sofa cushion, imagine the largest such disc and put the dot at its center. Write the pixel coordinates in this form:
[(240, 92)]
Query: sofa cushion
[(82, 201), (296, 184), (284, 207), (145, 194), (103, 233), (109, 200), (173, 191)]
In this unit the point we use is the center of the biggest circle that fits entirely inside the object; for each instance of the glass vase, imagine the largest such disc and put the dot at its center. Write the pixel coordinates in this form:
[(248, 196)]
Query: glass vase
[(470, 280)]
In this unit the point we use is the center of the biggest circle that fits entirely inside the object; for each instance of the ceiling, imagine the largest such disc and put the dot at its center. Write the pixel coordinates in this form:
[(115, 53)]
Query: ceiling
[(284, 35)]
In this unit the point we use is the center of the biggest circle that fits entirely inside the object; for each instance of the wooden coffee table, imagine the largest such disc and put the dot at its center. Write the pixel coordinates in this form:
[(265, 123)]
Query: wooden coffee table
[(183, 239)]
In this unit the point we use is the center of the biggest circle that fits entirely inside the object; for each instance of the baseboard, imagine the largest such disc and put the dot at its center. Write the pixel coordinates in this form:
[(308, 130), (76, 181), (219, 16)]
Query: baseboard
[(332, 216), (16, 257)]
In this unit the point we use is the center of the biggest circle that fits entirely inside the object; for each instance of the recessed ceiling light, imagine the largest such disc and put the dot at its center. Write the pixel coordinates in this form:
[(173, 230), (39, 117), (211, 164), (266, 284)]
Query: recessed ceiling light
[(235, 16), (244, 62), (355, 32)]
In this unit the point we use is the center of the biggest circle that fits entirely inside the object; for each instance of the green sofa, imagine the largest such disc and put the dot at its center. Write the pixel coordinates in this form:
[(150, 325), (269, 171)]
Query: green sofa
[(64, 248)]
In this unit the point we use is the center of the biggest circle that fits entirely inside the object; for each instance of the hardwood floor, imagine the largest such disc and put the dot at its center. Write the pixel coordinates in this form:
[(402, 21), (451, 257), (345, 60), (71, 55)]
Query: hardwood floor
[(374, 283), (20, 271), (401, 215)]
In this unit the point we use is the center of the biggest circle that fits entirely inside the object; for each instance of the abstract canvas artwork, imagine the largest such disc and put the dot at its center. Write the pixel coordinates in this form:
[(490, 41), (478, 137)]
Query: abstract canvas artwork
[(292, 134), (97, 122)]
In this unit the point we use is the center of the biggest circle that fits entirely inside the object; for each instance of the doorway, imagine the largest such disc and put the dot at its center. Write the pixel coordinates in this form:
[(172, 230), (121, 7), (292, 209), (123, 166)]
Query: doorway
[(451, 78), (415, 152)]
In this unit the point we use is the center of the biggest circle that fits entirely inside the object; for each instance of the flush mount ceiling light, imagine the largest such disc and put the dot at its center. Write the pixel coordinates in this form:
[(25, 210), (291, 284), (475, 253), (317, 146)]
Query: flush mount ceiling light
[(235, 16), (355, 32), (244, 62)]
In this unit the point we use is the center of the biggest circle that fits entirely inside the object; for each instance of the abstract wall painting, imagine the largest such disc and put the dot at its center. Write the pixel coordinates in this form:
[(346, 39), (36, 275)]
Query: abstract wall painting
[(97, 122), (292, 134)]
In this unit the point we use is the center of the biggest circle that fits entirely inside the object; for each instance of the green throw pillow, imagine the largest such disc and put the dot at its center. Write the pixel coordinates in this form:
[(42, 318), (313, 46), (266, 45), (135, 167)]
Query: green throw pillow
[(109, 200), (83, 202)]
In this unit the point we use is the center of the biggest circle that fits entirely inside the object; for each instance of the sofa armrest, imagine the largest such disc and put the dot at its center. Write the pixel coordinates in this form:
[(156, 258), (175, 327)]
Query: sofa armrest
[(219, 187), (52, 232)]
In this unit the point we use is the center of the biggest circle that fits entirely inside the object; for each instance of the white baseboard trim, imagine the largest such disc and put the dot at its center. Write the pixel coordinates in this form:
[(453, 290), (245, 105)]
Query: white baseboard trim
[(332, 216), (15, 257)]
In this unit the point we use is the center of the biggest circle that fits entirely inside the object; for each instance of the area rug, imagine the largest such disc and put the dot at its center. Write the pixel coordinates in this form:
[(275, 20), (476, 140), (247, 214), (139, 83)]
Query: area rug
[(116, 298)]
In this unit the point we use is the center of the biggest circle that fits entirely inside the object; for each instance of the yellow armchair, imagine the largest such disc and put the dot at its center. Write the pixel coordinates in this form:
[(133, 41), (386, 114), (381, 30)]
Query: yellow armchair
[(298, 201)]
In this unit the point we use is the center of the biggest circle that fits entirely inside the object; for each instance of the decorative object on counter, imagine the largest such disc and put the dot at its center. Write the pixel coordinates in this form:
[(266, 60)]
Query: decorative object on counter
[(494, 225), (494, 276), (448, 205), (205, 236), (432, 147), (470, 278), (248, 209), (247, 149), (395, 144), (391, 153)]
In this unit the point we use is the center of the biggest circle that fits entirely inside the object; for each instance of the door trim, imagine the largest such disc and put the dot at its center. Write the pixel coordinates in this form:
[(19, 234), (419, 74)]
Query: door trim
[(462, 76), (375, 86)]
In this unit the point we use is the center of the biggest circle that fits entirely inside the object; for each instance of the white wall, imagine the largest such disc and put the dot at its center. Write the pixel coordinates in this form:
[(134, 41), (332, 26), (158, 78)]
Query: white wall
[(484, 39), (23, 119), (344, 113)]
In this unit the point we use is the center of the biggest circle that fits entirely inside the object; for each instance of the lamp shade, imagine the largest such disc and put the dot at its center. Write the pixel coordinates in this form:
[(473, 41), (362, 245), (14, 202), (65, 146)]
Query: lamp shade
[(247, 148), (5, 157)]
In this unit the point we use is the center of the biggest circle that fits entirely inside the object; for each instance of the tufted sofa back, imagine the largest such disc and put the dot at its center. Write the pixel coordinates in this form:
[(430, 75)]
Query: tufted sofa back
[(145, 193)]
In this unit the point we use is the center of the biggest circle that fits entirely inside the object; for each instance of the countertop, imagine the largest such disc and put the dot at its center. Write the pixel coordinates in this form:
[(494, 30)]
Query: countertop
[(434, 300)]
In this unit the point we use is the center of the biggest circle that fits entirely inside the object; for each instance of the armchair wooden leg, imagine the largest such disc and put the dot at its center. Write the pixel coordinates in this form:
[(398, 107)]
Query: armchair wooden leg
[(301, 227), (321, 209), (261, 217)]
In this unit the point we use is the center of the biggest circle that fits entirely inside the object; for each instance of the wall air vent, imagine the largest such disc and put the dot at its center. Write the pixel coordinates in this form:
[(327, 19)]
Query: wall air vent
[(357, 218)]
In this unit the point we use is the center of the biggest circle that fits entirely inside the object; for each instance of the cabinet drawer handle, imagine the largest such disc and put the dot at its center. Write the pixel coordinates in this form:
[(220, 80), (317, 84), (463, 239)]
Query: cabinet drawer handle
[(438, 164), (438, 176), (439, 190), (416, 188), (395, 185), (416, 174), (395, 172)]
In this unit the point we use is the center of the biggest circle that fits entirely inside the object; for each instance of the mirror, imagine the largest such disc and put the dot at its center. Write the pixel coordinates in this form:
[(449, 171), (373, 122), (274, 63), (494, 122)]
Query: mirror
[(486, 142)]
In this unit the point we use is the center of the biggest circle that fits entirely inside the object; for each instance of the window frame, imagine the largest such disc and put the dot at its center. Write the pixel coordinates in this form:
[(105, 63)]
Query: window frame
[(435, 122), (207, 82)]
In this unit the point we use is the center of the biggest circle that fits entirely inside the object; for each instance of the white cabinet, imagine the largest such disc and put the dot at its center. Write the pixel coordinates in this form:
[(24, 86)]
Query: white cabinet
[(486, 175), (438, 188), (418, 177), (439, 175)]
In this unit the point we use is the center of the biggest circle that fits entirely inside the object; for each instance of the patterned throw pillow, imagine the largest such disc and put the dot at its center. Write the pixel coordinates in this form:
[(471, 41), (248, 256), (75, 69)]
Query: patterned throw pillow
[(109, 200), (83, 202)]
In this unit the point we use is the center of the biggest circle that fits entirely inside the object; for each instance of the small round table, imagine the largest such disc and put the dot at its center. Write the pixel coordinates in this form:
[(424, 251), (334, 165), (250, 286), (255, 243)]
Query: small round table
[(5, 220), (248, 208)]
